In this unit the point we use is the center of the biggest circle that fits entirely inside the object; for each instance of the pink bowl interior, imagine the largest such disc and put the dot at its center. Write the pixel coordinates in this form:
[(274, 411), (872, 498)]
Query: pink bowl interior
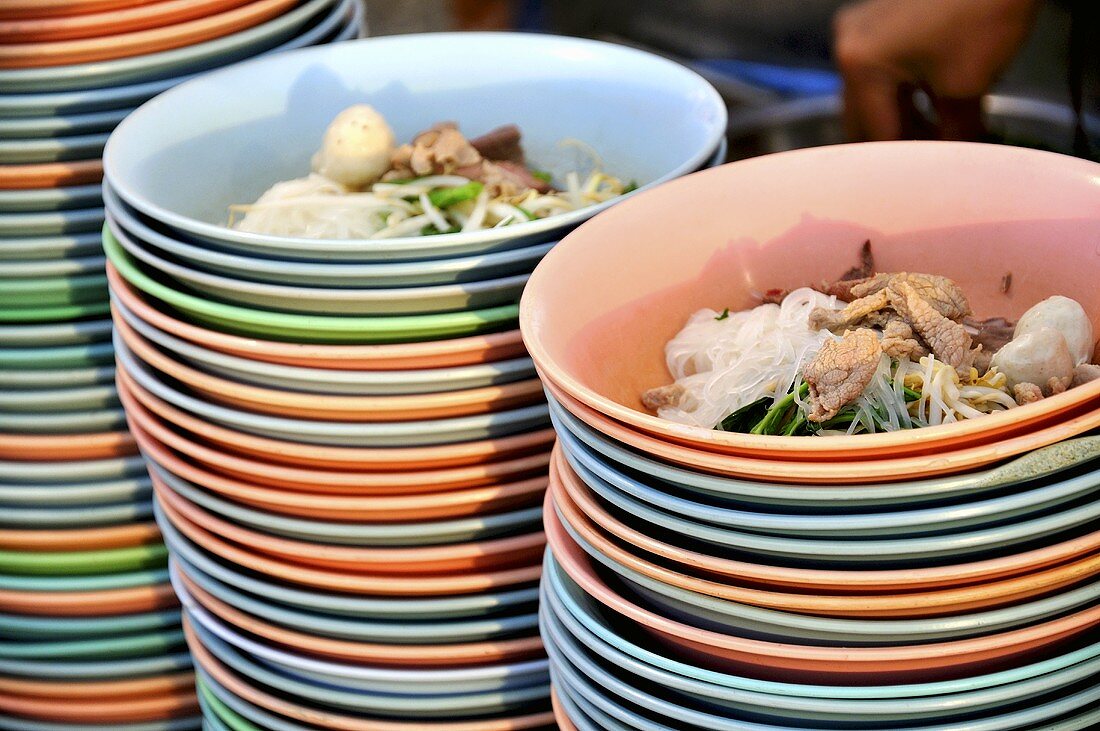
[(599, 309)]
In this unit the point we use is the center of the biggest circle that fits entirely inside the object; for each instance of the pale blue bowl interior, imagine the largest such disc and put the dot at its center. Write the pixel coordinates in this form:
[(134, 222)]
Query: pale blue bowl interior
[(226, 137)]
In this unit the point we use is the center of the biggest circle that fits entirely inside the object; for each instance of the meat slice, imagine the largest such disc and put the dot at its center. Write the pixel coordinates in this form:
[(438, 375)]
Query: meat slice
[(948, 340), (1026, 393), (1085, 373), (992, 334), (519, 175), (983, 359), (502, 143), (879, 320), (441, 149), (841, 289), (899, 340), (504, 178), (656, 398), (855, 313), (840, 372), (929, 305), (940, 292), (989, 336), (871, 297), (444, 150)]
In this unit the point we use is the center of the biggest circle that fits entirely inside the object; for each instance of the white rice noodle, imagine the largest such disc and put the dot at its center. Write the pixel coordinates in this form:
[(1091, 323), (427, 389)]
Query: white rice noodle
[(316, 207), (881, 406), (344, 200), (726, 364)]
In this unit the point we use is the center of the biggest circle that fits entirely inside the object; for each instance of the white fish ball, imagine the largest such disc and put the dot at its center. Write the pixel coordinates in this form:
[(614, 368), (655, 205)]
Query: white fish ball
[(1036, 357), (1066, 316)]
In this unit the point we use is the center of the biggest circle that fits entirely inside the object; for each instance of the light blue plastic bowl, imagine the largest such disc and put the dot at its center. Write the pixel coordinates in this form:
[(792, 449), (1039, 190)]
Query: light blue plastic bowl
[(1039, 465), (950, 518), (182, 163)]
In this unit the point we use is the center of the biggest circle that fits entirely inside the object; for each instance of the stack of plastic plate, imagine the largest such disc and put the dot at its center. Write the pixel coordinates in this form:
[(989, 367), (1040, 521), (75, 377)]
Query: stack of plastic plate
[(70, 72), (946, 577), (90, 635), (347, 441)]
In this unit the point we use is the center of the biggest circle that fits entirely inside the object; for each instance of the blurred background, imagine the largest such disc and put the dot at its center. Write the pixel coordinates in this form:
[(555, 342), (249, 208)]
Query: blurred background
[(726, 38), (770, 59)]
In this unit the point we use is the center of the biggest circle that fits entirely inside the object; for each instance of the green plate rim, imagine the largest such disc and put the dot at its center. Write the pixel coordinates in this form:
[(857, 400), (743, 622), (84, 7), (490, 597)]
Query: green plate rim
[(366, 329), (53, 314), (64, 563)]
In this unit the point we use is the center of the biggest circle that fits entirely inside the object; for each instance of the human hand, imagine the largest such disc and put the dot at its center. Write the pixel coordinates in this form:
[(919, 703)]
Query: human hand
[(483, 14), (954, 50)]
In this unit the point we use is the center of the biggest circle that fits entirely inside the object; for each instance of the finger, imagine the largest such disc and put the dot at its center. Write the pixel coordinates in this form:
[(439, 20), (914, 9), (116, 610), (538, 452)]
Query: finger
[(959, 119), (871, 109)]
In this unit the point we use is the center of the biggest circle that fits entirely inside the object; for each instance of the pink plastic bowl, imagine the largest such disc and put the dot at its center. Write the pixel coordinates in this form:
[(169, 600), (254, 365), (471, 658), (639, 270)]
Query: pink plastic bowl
[(600, 307)]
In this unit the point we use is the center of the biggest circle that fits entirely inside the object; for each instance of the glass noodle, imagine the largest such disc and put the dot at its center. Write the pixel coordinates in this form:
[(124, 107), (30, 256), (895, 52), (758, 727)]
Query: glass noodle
[(725, 364)]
